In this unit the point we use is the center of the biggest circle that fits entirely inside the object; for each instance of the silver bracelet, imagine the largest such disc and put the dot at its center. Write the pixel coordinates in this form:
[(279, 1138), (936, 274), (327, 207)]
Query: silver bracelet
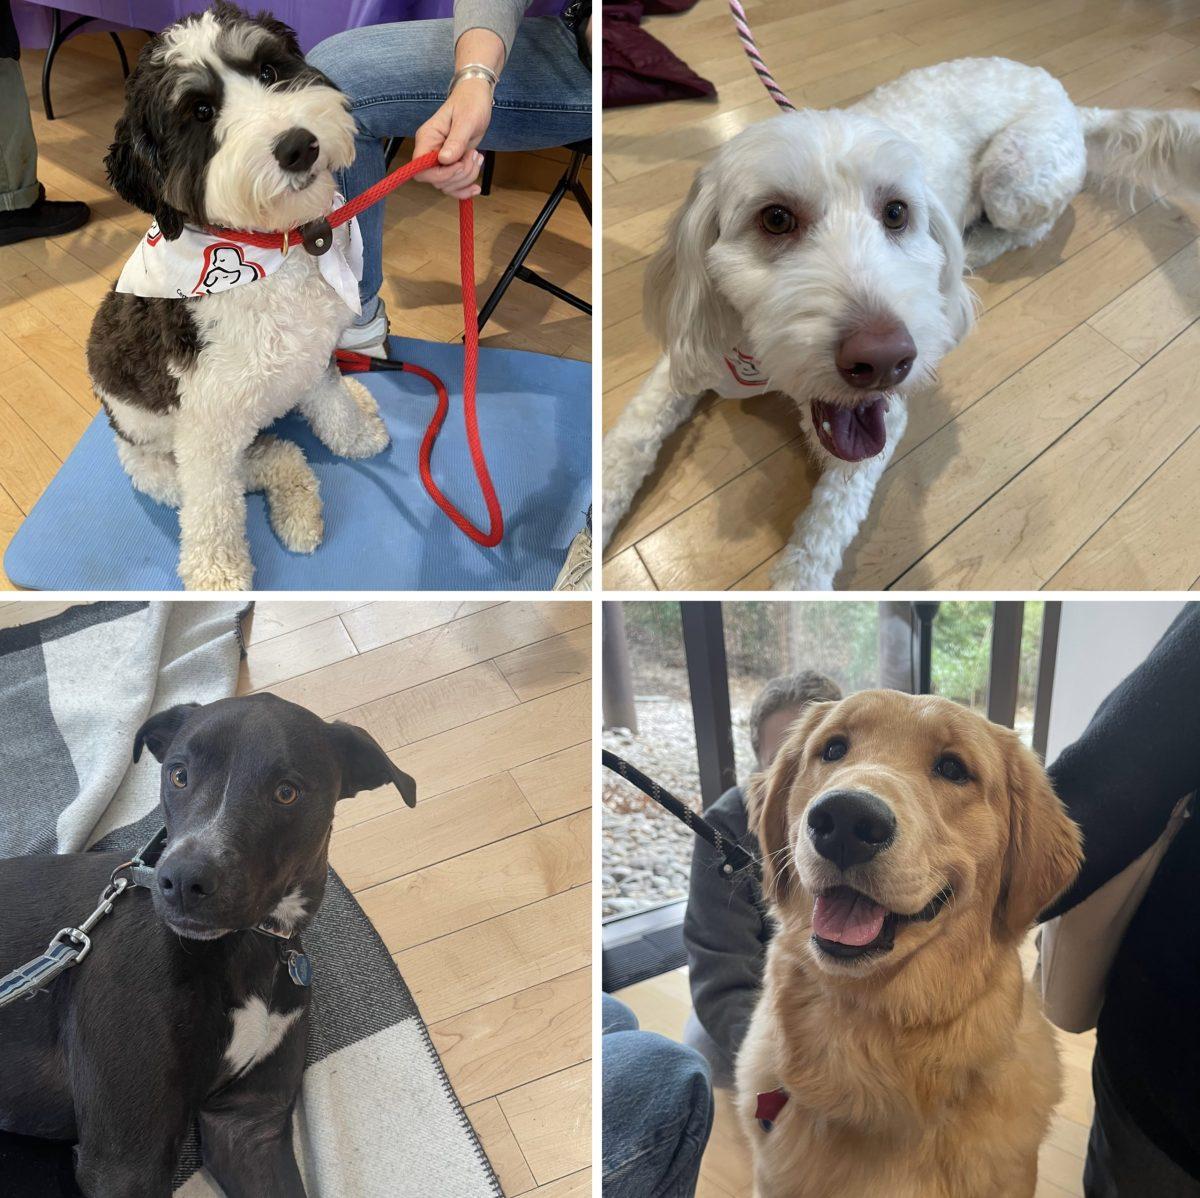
[(475, 70)]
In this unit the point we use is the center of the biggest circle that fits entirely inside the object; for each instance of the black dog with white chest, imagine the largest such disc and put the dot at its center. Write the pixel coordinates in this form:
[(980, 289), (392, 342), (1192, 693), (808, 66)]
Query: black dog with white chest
[(192, 1002)]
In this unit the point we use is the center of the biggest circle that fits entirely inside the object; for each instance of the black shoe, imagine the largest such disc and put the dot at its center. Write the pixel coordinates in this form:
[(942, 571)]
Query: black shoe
[(43, 218)]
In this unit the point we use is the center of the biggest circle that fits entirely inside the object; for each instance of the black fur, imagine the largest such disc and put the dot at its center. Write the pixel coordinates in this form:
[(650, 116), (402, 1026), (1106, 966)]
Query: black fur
[(125, 1051), (136, 344)]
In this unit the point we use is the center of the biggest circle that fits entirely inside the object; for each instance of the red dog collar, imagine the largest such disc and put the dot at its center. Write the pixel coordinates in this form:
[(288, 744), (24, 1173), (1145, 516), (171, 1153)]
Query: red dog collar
[(770, 1103)]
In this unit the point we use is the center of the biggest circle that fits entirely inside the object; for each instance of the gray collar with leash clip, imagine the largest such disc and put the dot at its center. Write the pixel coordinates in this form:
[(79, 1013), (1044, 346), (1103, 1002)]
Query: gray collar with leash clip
[(70, 946)]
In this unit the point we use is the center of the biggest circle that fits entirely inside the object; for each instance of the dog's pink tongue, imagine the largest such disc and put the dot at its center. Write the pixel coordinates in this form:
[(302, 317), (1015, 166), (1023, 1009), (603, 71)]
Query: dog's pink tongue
[(852, 434), (847, 917)]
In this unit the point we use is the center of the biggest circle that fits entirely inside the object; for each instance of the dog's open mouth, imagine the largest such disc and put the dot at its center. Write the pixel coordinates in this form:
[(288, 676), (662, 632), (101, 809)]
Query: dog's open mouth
[(848, 924), (852, 434)]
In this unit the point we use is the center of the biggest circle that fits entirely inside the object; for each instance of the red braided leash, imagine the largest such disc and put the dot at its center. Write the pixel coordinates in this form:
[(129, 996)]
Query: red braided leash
[(352, 363)]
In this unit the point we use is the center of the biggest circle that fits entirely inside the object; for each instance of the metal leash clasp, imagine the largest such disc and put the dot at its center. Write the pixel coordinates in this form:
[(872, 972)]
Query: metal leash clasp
[(79, 936)]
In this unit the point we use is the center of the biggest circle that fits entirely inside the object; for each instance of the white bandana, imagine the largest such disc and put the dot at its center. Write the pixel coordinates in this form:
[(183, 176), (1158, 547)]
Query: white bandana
[(199, 263)]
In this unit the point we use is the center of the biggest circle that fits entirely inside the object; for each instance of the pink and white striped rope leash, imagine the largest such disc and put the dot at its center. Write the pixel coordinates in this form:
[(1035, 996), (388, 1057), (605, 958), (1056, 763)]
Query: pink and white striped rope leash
[(756, 59)]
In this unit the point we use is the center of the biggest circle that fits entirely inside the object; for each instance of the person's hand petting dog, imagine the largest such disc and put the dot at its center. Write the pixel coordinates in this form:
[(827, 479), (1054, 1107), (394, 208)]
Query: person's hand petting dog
[(457, 128)]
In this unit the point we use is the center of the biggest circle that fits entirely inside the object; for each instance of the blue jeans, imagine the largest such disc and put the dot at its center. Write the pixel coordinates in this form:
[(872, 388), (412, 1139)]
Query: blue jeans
[(658, 1110), (396, 77)]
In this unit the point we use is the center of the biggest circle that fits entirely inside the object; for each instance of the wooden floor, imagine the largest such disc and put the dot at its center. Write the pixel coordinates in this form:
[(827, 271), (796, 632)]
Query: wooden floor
[(663, 1004), (1059, 449), (482, 892), (49, 289)]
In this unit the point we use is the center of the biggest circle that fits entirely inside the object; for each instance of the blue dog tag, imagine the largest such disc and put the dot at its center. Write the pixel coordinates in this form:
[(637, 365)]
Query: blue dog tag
[(299, 968)]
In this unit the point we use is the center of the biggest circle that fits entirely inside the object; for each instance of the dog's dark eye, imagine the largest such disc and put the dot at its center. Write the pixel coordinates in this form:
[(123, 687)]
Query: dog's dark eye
[(202, 110), (777, 220), (949, 767), (895, 215), (835, 750), (286, 794), (178, 776), (267, 74)]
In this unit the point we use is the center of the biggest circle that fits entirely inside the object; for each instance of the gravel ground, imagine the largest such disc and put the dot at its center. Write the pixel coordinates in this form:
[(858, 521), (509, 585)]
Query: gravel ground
[(647, 852)]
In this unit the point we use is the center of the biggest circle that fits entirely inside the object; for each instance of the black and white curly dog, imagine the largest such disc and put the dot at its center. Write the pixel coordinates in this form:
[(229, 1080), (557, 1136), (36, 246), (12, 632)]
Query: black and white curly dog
[(226, 126)]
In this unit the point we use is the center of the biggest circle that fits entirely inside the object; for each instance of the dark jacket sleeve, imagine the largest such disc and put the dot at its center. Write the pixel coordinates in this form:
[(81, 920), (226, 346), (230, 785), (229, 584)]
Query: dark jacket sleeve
[(1135, 760), (725, 931)]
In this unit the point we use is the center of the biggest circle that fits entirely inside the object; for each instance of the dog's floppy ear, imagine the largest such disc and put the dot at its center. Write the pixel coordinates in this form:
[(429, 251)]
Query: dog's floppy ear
[(684, 310), (767, 806), (133, 171), (956, 295), (365, 765), (1045, 849), (159, 730)]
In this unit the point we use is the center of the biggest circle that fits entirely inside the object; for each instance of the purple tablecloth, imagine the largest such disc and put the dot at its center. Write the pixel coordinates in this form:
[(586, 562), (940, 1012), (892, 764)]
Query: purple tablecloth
[(313, 22)]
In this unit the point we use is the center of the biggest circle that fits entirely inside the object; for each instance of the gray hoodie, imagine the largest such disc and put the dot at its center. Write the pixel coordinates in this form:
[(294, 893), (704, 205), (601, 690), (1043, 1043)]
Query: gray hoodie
[(502, 17), (726, 931)]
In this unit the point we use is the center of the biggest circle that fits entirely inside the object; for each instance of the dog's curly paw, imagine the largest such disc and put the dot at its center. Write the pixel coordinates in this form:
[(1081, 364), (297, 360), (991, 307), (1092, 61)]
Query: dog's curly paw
[(370, 435), (217, 572), (293, 495)]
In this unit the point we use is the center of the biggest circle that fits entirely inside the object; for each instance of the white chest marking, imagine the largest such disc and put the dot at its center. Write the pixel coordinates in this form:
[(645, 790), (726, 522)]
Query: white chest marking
[(289, 911), (257, 1032)]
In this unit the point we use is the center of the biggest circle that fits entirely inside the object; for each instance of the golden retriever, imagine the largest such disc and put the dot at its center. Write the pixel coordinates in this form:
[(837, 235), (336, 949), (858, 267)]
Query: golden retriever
[(908, 845)]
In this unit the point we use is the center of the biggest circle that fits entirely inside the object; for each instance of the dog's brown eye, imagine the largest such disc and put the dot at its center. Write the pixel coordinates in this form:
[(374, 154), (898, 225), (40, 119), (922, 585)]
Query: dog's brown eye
[(835, 750), (267, 74), (286, 794), (203, 111), (777, 220), (178, 776), (949, 767), (895, 215)]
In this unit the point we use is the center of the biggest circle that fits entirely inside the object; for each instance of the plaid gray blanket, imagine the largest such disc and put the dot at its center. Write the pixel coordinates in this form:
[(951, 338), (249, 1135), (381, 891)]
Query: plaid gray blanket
[(377, 1115)]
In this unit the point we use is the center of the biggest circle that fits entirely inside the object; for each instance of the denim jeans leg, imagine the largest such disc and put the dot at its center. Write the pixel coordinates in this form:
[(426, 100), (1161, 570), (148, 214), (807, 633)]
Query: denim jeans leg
[(658, 1113)]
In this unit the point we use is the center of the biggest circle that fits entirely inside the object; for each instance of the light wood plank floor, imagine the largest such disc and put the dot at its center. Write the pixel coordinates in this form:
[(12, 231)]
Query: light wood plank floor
[(482, 892), (49, 289), (1059, 448), (663, 1004)]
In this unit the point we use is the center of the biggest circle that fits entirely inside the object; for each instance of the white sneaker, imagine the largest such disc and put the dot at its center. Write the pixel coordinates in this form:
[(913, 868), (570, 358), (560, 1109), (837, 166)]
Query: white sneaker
[(370, 338), (576, 573)]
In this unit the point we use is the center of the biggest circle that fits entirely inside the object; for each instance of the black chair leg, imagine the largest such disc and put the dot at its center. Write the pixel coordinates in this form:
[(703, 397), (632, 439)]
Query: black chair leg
[(489, 170), (116, 37), (58, 35), (516, 269), (518, 259)]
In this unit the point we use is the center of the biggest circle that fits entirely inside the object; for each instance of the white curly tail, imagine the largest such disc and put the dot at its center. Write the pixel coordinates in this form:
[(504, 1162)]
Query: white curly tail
[(1143, 147)]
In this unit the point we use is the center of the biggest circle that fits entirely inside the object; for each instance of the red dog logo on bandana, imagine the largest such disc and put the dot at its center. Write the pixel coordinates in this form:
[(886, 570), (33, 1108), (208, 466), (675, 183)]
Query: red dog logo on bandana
[(225, 267)]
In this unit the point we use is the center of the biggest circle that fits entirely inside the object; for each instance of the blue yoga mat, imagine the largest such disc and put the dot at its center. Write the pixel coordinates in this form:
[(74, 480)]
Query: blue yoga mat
[(92, 531)]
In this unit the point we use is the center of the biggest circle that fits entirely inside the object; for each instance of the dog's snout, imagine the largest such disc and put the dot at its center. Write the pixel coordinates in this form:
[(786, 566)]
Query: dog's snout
[(849, 827), (876, 358), (186, 884), (296, 150)]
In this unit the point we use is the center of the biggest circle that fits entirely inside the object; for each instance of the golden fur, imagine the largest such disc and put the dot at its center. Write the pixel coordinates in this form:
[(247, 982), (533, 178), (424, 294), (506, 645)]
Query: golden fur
[(928, 1071)]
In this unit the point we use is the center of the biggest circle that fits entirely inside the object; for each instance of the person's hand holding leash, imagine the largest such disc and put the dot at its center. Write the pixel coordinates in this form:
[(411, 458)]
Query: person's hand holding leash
[(457, 128)]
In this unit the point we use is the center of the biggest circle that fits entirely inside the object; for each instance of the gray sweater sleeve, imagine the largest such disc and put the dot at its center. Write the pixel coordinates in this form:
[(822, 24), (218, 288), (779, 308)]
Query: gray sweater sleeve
[(725, 932), (502, 17)]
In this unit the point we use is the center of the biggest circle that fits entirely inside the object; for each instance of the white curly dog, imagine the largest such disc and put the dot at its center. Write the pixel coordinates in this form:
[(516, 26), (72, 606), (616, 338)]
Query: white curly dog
[(821, 254)]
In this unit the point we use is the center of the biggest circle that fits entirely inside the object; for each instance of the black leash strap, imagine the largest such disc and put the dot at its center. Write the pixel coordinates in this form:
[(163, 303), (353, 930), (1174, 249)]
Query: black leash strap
[(736, 857)]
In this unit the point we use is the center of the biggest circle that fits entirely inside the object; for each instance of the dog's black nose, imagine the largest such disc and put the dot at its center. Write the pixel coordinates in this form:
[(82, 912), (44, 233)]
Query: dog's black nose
[(185, 884), (296, 150), (849, 827)]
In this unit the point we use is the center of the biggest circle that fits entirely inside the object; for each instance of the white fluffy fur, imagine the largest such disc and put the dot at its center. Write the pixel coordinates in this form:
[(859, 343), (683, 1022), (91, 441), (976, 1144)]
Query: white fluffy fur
[(956, 142), (267, 345)]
